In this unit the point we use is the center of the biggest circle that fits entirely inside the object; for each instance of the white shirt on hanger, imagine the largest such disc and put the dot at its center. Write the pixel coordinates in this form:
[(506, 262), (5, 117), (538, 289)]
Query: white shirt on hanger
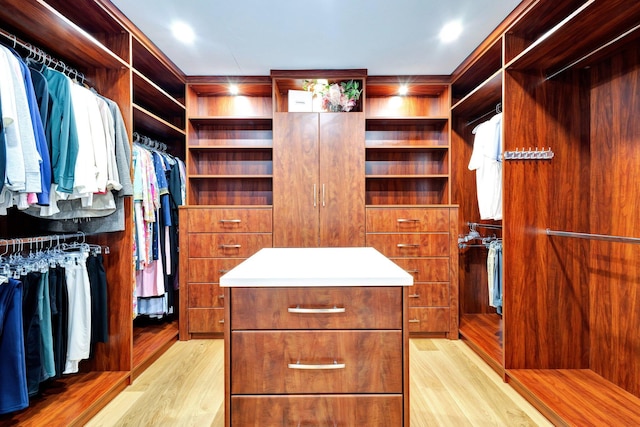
[(486, 161)]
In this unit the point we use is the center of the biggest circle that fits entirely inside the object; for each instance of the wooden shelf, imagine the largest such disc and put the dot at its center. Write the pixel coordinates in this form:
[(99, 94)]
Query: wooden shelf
[(248, 121), (601, 402), (483, 333), (152, 97), (150, 342), (481, 99), (408, 176), (238, 176), (151, 125), (70, 401), (158, 69), (585, 29), (481, 70), (61, 37)]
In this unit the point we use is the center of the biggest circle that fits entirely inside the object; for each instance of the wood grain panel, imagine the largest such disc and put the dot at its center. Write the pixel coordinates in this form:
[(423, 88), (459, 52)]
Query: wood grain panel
[(260, 362), (230, 191), (243, 106), (429, 294), (347, 410), (410, 245), (342, 179), (227, 245), (407, 190), (429, 319), (205, 320), (365, 308), (205, 295), (209, 270), (296, 180), (426, 269), (613, 270), (226, 220), (405, 220)]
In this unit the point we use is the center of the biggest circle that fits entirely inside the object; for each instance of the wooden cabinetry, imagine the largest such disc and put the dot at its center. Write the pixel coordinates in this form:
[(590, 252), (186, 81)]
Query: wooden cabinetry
[(120, 63), (423, 242), (213, 241), (318, 179), (567, 80), (347, 360)]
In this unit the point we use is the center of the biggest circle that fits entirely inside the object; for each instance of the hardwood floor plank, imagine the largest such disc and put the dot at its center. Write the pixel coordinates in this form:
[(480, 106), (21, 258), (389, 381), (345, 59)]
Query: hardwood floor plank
[(450, 386)]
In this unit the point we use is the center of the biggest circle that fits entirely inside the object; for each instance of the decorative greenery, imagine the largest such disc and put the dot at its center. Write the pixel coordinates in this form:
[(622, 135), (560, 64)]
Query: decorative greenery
[(335, 96)]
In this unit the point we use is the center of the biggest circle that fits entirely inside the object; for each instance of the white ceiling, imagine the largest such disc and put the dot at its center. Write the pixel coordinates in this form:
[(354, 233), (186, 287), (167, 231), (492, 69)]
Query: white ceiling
[(252, 37)]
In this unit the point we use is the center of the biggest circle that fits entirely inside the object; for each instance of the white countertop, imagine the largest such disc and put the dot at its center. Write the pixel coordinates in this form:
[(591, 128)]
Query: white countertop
[(286, 267)]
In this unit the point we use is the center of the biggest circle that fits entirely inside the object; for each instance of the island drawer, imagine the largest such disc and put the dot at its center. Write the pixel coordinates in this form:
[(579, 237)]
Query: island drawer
[(277, 362), (407, 220), (231, 220), (317, 410), (317, 308)]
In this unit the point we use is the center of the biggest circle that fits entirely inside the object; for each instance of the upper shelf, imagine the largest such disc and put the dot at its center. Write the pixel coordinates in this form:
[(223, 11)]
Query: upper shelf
[(566, 37), (80, 47)]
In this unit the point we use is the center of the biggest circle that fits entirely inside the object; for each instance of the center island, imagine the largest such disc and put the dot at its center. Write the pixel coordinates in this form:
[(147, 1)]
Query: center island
[(316, 336)]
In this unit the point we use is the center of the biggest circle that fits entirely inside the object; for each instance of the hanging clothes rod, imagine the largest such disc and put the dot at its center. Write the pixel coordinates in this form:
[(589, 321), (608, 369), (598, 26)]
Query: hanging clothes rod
[(151, 143), (39, 55), (604, 237), (488, 226), (496, 110), (41, 239)]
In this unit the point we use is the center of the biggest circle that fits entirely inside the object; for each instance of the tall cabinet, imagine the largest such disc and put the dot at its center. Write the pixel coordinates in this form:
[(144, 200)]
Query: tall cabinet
[(120, 63), (318, 179), (567, 75)]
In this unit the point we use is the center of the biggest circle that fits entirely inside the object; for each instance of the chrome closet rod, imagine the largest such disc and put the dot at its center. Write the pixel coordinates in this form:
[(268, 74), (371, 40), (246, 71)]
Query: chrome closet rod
[(489, 226), (604, 237)]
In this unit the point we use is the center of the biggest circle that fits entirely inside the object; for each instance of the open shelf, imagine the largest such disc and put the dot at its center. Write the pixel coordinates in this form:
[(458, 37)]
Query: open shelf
[(602, 402)]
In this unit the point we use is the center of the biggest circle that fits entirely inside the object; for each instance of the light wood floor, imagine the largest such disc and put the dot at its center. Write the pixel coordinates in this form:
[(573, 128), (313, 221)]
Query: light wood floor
[(450, 386)]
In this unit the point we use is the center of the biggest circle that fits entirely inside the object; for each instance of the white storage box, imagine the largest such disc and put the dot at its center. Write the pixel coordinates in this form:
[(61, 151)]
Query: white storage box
[(300, 101)]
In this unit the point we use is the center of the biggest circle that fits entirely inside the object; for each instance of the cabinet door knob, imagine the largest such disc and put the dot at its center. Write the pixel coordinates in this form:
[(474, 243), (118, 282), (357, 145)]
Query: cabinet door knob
[(300, 310), (334, 365)]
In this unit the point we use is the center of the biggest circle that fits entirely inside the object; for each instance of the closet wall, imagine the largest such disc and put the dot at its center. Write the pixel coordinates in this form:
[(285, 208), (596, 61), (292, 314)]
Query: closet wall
[(121, 64), (568, 81)]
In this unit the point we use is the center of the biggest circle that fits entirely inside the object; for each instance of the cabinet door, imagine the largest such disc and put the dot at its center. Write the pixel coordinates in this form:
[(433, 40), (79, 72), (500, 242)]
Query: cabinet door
[(295, 180), (342, 179)]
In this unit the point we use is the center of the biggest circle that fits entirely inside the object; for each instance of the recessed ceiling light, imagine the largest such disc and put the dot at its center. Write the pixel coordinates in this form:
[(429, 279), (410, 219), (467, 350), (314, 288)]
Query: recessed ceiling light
[(451, 31), (403, 90), (233, 89), (183, 32)]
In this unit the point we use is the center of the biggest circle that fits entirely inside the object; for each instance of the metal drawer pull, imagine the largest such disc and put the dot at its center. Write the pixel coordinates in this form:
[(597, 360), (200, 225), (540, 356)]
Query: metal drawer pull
[(237, 221), (408, 245), (221, 296), (230, 246), (334, 365), (299, 310), (414, 321), (414, 296), (223, 271), (408, 220), (221, 321), (413, 271)]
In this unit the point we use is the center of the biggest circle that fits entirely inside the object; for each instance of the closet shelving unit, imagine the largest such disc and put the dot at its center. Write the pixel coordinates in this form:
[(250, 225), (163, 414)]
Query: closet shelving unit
[(569, 74), (120, 63)]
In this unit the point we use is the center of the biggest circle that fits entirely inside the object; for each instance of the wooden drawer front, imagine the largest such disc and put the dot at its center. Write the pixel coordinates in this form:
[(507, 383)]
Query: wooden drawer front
[(205, 295), (344, 308), (429, 295), (428, 319), (203, 320), (318, 410), (263, 362), (227, 245), (209, 270), (425, 269), (407, 220), (410, 245), (230, 220)]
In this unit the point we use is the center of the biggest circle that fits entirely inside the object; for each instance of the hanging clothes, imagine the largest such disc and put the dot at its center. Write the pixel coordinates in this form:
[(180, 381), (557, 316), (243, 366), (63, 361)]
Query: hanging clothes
[(157, 195), (494, 275), (486, 160)]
